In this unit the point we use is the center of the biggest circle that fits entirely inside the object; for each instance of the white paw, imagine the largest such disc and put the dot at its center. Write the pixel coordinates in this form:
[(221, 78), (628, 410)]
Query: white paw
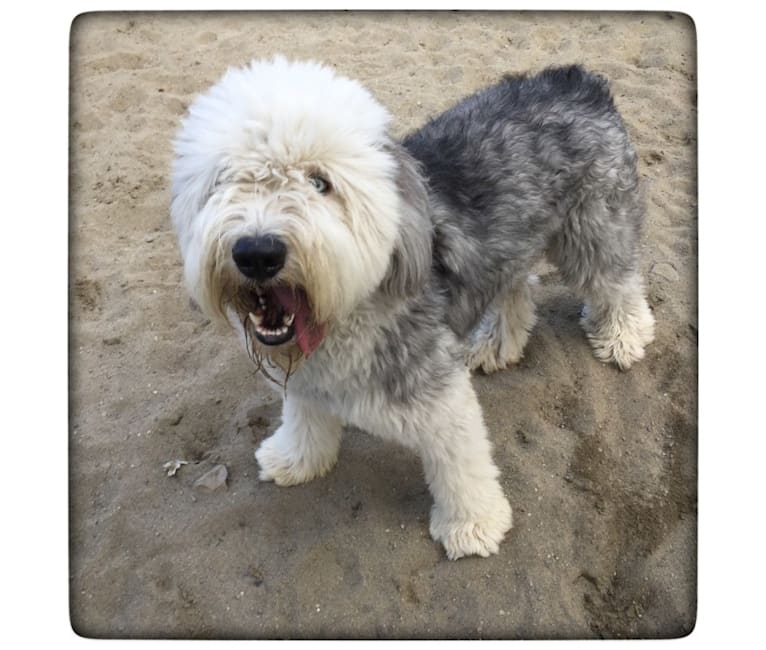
[(483, 354), (621, 341), (480, 535), (499, 342), (285, 464), (623, 353)]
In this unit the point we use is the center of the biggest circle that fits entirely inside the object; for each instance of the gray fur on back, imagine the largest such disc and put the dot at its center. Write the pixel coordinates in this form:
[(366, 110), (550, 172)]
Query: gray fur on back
[(530, 165)]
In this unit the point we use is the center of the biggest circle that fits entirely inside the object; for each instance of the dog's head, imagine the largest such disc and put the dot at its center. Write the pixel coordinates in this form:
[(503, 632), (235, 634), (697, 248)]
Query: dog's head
[(292, 203)]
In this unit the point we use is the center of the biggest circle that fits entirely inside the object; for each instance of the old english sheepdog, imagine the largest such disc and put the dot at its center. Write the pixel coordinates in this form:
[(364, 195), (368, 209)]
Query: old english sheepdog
[(367, 276)]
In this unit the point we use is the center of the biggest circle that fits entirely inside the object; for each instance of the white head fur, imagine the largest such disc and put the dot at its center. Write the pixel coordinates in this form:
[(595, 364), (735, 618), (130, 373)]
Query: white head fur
[(245, 158)]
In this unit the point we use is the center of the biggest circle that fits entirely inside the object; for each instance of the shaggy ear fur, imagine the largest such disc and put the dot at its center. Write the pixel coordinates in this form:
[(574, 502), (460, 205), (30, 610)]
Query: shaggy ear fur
[(192, 185), (190, 192), (410, 264)]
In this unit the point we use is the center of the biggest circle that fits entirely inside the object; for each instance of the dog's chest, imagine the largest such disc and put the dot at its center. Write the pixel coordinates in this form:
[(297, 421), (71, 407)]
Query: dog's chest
[(357, 398), (348, 376)]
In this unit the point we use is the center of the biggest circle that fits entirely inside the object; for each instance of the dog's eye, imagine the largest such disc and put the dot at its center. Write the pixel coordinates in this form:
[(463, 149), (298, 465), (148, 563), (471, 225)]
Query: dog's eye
[(320, 184)]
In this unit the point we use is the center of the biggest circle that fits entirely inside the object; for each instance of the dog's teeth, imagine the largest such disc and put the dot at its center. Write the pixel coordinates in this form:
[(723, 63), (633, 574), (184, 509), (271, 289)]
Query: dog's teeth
[(265, 331), (288, 320)]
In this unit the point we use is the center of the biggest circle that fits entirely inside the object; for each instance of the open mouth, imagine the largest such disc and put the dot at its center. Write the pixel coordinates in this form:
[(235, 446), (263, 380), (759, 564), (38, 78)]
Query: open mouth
[(272, 322), (281, 314), (271, 332)]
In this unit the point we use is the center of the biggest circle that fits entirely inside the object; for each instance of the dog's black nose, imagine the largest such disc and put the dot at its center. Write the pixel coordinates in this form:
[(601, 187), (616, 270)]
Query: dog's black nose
[(259, 258)]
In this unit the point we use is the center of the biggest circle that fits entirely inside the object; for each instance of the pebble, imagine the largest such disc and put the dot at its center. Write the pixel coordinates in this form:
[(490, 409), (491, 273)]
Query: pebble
[(665, 270), (171, 420), (213, 479)]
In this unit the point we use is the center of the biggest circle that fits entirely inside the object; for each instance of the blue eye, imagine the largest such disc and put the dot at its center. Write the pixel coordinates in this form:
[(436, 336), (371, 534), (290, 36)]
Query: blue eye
[(320, 184)]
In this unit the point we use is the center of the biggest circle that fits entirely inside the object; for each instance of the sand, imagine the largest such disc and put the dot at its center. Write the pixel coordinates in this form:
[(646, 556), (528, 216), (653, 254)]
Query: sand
[(599, 465)]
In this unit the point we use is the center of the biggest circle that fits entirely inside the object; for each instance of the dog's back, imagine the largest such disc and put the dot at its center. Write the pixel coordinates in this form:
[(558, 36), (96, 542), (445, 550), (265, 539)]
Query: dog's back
[(509, 167), (529, 138), (487, 132)]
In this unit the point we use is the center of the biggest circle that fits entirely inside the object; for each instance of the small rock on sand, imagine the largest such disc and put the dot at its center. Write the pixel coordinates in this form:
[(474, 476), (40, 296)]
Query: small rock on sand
[(213, 479)]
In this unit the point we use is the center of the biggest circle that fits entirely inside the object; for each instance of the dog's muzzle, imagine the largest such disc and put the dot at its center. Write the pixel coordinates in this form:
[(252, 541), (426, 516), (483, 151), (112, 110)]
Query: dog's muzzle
[(278, 313)]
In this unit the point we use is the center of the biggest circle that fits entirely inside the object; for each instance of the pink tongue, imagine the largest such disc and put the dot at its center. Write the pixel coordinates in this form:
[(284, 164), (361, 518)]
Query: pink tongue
[(308, 335)]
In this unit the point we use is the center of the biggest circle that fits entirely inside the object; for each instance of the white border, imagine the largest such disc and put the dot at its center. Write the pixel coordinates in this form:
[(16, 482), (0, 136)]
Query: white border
[(34, 261)]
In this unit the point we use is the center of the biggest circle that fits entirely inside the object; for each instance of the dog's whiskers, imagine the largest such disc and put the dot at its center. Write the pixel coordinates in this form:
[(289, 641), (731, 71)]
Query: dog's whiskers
[(261, 361)]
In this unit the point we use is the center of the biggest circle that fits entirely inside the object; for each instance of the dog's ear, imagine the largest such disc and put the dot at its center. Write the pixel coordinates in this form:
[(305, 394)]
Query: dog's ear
[(194, 181), (410, 264), (191, 189)]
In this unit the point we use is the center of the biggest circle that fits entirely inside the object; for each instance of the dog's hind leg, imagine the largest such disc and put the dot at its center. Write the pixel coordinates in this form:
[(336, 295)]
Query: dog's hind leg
[(500, 337), (597, 254), (304, 447), (618, 321)]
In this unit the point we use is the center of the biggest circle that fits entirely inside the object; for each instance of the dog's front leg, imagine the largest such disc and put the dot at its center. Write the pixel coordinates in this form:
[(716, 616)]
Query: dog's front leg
[(470, 515), (304, 447)]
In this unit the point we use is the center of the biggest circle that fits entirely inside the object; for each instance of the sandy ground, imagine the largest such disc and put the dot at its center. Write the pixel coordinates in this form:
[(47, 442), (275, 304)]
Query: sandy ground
[(599, 465)]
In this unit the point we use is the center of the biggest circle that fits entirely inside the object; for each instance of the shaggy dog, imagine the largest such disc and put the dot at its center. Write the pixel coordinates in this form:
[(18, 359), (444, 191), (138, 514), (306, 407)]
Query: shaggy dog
[(368, 276)]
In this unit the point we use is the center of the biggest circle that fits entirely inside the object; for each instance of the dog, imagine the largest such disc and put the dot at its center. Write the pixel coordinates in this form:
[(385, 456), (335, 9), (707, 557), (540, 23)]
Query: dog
[(368, 276)]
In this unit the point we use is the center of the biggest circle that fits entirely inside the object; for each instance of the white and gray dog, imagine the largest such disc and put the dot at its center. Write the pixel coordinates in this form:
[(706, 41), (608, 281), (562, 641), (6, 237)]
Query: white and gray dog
[(369, 276)]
